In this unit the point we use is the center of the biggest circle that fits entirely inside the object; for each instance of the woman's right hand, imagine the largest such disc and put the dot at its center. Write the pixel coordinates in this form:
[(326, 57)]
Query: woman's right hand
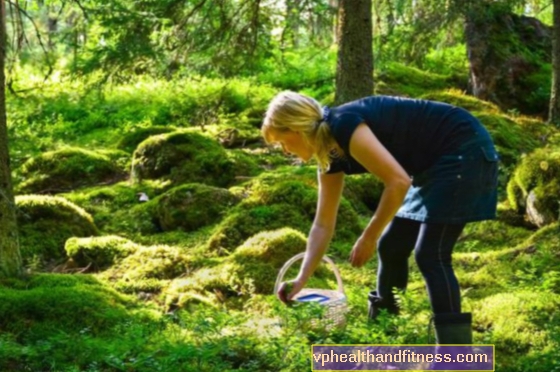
[(287, 290)]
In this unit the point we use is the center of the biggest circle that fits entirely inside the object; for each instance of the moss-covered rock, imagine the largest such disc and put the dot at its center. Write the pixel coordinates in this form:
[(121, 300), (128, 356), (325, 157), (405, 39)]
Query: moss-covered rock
[(130, 140), (120, 158), (47, 304), (192, 206), (535, 186), (101, 251), (247, 220), (363, 192), (252, 269), (400, 79), (256, 263), (458, 98), (273, 206), (138, 219), (511, 139), (109, 205), (183, 157), (153, 262), (67, 169), (46, 222), (247, 164)]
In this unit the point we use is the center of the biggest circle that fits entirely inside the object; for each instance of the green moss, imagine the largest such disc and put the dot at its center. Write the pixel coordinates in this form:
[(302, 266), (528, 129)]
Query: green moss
[(247, 220), (107, 204), (273, 205), (192, 206), (491, 235), (138, 219), (517, 320), (405, 80), (458, 98), (209, 286), (511, 139), (154, 262), (183, 157), (538, 253), (252, 269), (538, 172), (246, 163), (146, 289), (272, 247), (363, 192), (100, 251), (532, 264), (67, 169), (49, 304), (256, 263), (130, 140), (120, 158), (46, 222)]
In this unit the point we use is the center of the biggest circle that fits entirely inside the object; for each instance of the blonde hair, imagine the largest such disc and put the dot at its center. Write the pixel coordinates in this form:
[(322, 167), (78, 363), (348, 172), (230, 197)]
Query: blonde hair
[(290, 111)]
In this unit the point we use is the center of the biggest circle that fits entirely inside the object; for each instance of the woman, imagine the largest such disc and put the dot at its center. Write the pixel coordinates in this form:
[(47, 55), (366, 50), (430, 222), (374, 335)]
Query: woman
[(439, 167)]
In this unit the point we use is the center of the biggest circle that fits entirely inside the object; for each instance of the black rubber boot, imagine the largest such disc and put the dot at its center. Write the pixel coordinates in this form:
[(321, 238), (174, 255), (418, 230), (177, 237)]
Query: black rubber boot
[(376, 304), (453, 328)]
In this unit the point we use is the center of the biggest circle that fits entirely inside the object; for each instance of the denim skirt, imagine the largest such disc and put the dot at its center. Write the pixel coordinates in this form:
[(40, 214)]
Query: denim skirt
[(459, 187)]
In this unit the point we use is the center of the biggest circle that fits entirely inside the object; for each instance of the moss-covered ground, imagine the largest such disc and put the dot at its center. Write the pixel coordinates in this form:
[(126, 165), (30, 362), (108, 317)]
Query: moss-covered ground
[(159, 222)]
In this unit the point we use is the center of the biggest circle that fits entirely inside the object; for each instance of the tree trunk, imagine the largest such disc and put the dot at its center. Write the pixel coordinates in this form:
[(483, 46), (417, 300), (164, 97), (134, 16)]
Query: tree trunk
[(10, 259), (354, 70), (554, 107)]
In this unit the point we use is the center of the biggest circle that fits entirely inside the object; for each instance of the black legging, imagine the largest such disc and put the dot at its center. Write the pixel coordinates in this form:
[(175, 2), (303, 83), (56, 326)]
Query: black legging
[(432, 245)]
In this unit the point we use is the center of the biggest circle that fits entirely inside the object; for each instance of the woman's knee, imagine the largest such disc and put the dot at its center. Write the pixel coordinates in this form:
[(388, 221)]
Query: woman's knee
[(398, 239)]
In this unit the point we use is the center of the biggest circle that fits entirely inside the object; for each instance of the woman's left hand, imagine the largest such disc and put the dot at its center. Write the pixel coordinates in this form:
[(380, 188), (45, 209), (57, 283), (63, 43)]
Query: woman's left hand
[(363, 250)]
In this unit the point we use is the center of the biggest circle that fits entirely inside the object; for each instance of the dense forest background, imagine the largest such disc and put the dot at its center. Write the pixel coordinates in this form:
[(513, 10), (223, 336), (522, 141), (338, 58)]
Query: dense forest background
[(143, 221)]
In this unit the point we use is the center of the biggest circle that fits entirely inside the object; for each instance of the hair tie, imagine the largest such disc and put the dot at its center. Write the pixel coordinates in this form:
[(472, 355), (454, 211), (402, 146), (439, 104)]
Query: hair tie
[(326, 111)]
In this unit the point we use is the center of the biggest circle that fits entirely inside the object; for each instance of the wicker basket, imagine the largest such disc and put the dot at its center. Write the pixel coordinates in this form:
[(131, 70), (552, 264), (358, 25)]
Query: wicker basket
[(334, 300)]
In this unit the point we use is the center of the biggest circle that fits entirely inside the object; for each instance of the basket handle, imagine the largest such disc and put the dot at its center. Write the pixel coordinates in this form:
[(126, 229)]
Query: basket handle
[(299, 256)]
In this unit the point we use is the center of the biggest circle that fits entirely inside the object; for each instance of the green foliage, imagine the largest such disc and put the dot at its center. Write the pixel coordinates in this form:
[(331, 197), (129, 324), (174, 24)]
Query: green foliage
[(46, 222), (101, 251), (449, 60), (67, 169), (76, 115)]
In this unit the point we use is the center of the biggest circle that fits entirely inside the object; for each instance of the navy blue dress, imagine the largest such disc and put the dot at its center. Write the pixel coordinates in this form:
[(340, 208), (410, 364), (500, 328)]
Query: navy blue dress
[(447, 152)]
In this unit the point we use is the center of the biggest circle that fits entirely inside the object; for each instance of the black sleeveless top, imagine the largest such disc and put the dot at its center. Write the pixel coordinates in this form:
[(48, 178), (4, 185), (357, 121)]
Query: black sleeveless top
[(416, 132)]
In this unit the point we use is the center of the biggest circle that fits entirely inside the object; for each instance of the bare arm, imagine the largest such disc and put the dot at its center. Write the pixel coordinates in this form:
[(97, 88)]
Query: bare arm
[(330, 191), (366, 149)]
